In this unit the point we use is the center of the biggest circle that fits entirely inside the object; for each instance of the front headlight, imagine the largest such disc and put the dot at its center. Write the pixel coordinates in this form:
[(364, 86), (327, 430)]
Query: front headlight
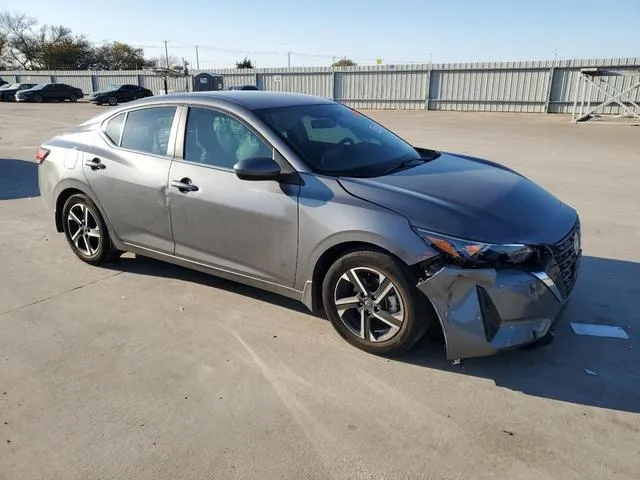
[(466, 252)]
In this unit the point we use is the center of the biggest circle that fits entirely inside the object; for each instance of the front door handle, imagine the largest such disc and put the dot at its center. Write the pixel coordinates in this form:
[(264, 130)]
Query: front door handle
[(185, 185), (95, 164)]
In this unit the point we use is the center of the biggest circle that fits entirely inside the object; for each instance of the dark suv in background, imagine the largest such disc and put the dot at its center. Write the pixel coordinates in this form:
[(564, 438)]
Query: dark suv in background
[(8, 92), (119, 93), (50, 92)]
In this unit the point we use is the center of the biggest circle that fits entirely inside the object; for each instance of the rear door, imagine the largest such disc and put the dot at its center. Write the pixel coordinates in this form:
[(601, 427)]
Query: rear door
[(59, 92), (128, 171), (128, 92), (48, 92)]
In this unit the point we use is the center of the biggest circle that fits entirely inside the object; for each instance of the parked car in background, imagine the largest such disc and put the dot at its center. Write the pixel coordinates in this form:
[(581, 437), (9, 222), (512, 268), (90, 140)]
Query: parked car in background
[(8, 92), (308, 198), (50, 92), (243, 87), (118, 94)]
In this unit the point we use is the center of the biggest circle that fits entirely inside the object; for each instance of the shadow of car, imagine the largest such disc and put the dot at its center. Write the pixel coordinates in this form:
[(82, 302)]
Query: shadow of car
[(18, 179)]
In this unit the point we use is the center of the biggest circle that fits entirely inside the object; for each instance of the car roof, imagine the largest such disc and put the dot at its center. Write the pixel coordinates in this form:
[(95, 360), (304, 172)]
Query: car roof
[(249, 99)]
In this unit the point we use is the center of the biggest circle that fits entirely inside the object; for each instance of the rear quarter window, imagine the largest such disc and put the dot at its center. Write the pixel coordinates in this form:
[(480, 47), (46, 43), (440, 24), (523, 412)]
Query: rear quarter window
[(113, 129)]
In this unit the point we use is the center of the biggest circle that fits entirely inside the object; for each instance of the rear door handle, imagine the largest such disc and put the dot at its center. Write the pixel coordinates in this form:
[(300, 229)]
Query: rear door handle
[(95, 164), (184, 185)]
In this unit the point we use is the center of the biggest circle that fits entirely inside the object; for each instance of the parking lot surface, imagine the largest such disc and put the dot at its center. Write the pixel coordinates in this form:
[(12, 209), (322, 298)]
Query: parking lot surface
[(149, 371)]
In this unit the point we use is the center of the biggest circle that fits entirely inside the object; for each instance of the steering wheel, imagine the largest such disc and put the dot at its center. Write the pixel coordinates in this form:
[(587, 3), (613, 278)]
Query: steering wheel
[(346, 141)]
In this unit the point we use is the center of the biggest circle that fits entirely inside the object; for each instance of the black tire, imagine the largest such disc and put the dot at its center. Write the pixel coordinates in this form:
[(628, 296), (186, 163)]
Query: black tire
[(416, 316), (97, 251), (37, 99), (112, 100), (73, 98)]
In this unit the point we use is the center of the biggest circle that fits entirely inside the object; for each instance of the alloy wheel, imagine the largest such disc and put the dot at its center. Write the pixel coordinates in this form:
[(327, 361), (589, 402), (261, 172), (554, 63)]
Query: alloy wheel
[(84, 230), (369, 304)]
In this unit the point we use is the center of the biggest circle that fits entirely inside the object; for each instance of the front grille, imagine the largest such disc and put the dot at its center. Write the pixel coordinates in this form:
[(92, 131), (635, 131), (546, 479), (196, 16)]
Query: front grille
[(563, 268)]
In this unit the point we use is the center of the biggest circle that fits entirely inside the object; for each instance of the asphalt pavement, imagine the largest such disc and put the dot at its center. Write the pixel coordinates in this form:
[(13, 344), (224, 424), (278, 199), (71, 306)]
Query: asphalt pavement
[(144, 370)]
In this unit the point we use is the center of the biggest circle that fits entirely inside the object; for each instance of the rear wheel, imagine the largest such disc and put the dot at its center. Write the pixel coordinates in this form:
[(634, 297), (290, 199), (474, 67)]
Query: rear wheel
[(73, 98), (372, 301), (86, 231)]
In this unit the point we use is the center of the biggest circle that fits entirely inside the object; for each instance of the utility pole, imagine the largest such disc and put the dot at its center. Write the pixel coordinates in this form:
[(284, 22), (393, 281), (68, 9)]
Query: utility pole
[(197, 59), (166, 82), (289, 59)]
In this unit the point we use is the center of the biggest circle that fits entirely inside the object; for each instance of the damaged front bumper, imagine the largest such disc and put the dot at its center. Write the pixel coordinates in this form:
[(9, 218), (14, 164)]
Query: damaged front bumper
[(483, 311)]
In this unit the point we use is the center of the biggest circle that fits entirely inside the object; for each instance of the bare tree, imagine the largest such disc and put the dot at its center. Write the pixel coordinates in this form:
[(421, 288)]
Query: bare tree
[(32, 47), (17, 29)]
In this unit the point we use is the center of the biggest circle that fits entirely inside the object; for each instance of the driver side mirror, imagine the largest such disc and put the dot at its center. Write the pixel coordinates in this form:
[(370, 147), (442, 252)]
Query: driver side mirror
[(257, 168)]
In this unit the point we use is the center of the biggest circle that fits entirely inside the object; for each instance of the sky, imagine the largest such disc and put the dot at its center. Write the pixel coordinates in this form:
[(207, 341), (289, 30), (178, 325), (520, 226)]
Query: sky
[(399, 31)]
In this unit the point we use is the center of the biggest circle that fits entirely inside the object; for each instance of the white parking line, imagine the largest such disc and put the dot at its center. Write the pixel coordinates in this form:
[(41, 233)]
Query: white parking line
[(610, 331)]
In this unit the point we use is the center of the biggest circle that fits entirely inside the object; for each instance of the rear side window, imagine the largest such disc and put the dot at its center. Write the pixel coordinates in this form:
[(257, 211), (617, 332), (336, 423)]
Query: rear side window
[(114, 128), (147, 130)]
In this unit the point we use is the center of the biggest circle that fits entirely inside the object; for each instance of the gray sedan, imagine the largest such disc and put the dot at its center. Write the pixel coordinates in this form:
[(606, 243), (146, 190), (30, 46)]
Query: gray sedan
[(307, 198)]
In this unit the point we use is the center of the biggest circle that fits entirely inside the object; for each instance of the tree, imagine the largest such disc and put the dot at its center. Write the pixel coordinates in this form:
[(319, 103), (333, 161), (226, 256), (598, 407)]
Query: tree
[(32, 47), (344, 62), (246, 63), (162, 61), (19, 37), (57, 47), (119, 56), (3, 52)]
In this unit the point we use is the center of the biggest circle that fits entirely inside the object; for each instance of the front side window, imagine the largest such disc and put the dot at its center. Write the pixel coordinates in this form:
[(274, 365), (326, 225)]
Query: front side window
[(217, 139), (335, 140), (147, 130)]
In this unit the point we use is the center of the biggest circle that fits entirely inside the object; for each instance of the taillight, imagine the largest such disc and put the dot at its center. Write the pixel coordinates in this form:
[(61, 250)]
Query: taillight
[(42, 154)]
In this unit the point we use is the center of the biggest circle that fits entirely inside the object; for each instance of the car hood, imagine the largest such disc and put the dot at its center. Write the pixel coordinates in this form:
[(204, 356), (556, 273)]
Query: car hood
[(469, 198)]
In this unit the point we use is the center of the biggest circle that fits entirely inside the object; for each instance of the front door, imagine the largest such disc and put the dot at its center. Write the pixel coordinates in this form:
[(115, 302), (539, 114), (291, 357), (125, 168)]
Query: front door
[(129, 177), (245, 227)]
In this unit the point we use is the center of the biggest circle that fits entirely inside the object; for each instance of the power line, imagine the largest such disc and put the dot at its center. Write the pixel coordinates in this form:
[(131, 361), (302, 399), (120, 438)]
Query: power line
[(288, 54)]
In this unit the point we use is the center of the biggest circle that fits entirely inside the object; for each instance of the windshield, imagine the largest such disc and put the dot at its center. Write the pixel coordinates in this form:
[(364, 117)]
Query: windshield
[(8, 86), (39, 87), (335, 140)]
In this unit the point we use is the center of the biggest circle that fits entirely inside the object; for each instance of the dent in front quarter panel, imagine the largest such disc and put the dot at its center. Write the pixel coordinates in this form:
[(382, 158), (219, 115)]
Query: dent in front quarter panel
[(330, 216)]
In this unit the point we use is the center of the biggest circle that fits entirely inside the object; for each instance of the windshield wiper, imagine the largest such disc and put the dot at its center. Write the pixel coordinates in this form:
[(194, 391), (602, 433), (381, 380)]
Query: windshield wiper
[(408, 163)]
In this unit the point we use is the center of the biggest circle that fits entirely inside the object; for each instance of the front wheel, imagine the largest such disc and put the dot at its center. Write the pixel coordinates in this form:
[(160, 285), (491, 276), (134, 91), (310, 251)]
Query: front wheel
[(86, 231), (73, 98), (112, 100), (38, 99), (373, 303)]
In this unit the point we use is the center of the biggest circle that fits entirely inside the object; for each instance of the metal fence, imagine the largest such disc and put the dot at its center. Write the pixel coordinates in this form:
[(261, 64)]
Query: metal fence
[(536, 86)]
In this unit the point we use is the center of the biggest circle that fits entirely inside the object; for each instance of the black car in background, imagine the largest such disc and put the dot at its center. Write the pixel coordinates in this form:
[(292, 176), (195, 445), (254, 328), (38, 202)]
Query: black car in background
[(119, 93), (243, 87), (8, 92), (50, 92)]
